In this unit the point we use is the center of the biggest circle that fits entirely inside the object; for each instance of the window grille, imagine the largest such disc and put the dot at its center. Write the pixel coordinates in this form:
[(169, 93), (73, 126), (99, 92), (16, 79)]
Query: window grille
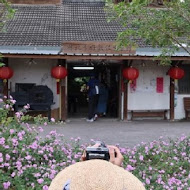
[(184, 83)]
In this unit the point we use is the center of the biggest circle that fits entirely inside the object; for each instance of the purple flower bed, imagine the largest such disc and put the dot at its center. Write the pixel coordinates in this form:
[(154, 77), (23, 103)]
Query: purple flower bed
[(27, 162)]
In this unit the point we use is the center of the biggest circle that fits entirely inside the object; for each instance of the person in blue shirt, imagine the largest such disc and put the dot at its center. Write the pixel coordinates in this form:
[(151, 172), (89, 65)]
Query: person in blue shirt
[(93, 94)]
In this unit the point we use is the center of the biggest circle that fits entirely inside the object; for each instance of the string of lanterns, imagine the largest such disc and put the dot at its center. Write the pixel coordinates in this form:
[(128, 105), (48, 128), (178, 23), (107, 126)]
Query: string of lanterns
[(131, 73), (60, 72)]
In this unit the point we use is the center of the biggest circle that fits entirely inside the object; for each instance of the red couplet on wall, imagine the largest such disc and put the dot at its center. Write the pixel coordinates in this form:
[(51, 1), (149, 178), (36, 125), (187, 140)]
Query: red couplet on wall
[(159, 85)]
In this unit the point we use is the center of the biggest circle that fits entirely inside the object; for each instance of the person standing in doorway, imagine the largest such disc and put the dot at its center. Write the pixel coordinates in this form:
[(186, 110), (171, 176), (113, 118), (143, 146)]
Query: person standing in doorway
[(103, 99), (93, 93)]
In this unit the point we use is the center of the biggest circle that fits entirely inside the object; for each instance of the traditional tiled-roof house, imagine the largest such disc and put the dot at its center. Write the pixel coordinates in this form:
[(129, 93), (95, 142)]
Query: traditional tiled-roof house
[(73, 33)]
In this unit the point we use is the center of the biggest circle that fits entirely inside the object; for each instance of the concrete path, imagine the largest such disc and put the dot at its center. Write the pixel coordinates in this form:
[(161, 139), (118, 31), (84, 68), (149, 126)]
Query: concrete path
[(127, 134)]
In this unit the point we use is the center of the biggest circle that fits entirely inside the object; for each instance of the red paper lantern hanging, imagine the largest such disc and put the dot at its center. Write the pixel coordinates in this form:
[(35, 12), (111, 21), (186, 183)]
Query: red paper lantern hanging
[(176, 73), (6, 73), (130, 73), (59, 72)]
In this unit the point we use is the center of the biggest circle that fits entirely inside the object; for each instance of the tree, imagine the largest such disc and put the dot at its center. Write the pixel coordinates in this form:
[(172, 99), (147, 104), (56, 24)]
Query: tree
[(164, 25), (6, 12)]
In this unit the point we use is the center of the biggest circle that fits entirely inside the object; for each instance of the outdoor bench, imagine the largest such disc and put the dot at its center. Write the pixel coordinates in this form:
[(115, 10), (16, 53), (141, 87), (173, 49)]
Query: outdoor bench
[(148, 113), (186, 102)]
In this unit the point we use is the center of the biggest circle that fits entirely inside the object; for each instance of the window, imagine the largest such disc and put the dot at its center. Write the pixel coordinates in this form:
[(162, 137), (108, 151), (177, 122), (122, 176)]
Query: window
[(184, 83)]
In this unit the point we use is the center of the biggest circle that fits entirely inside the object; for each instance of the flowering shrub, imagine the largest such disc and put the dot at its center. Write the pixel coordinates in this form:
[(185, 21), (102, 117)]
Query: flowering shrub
[(160, 164), (28, 162)]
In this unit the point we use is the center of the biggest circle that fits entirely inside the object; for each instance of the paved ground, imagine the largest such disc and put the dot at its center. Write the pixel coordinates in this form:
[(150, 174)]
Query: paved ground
[(126, 134)]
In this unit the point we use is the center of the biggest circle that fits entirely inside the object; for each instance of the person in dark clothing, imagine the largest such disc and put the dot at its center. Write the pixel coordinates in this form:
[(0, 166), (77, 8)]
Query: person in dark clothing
[(93, 93), (102, 100)]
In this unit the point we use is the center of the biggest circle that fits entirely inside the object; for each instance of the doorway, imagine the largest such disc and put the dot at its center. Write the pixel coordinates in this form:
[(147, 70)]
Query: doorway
[(79, 74)]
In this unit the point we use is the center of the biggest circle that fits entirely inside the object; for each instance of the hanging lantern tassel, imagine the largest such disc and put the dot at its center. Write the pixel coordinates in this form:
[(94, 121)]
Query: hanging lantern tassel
[(130, 81), (58, 85), (5, 80)]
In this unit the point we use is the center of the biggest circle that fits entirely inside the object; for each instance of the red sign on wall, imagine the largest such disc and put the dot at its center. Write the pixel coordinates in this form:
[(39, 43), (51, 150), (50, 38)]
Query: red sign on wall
[(159, 85)]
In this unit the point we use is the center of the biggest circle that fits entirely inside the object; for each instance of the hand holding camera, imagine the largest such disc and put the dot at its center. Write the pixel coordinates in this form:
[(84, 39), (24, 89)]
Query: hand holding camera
[(101, 151)]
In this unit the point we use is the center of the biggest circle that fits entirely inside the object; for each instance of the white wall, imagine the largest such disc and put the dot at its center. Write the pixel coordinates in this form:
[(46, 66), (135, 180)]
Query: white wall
[(145, 96), (38, 71)]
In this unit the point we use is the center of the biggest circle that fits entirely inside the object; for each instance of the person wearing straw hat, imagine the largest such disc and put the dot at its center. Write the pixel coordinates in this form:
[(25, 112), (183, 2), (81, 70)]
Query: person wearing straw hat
[(97, 174)]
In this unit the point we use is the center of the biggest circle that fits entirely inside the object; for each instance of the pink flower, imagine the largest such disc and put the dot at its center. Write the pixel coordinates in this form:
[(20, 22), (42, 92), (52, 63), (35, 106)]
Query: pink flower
[(14, 142), (18, 115), (1, 159), (27, 106), (28, 157), (2, 140), (6, 185), (52, 119), (141, 157), (40, 181), (13, 174), (147, 181), (34, 145), (37, 175), (7, 157), (12, 131), (40, 129), (45, 187), (130, 168), (183, 153), (7, 106), (13, 101)]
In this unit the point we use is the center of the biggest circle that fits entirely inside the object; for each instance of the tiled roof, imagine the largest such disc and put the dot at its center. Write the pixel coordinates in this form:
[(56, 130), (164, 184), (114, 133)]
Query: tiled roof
[(41, 29), (50, 25)]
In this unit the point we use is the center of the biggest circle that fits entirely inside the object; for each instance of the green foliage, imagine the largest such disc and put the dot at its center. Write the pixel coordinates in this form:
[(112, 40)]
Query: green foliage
[(39, 119), (1, 64), (166, 27), (6, 13)]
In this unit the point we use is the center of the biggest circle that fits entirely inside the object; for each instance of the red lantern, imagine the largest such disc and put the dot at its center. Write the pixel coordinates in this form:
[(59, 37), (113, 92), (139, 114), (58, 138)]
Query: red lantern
[(130, 73), (176, 73), (59, 72), (6, 73)]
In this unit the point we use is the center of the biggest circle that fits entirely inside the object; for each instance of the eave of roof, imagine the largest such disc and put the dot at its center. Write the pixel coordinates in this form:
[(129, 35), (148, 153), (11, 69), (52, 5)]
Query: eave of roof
[(56, 50), (33, 50)]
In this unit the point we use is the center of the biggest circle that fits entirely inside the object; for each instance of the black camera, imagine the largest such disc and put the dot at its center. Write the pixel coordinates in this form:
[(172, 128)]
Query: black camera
[(101, 152)]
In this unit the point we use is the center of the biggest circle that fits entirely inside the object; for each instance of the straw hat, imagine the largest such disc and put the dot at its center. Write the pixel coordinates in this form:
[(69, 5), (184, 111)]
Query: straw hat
[(95, 175)]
